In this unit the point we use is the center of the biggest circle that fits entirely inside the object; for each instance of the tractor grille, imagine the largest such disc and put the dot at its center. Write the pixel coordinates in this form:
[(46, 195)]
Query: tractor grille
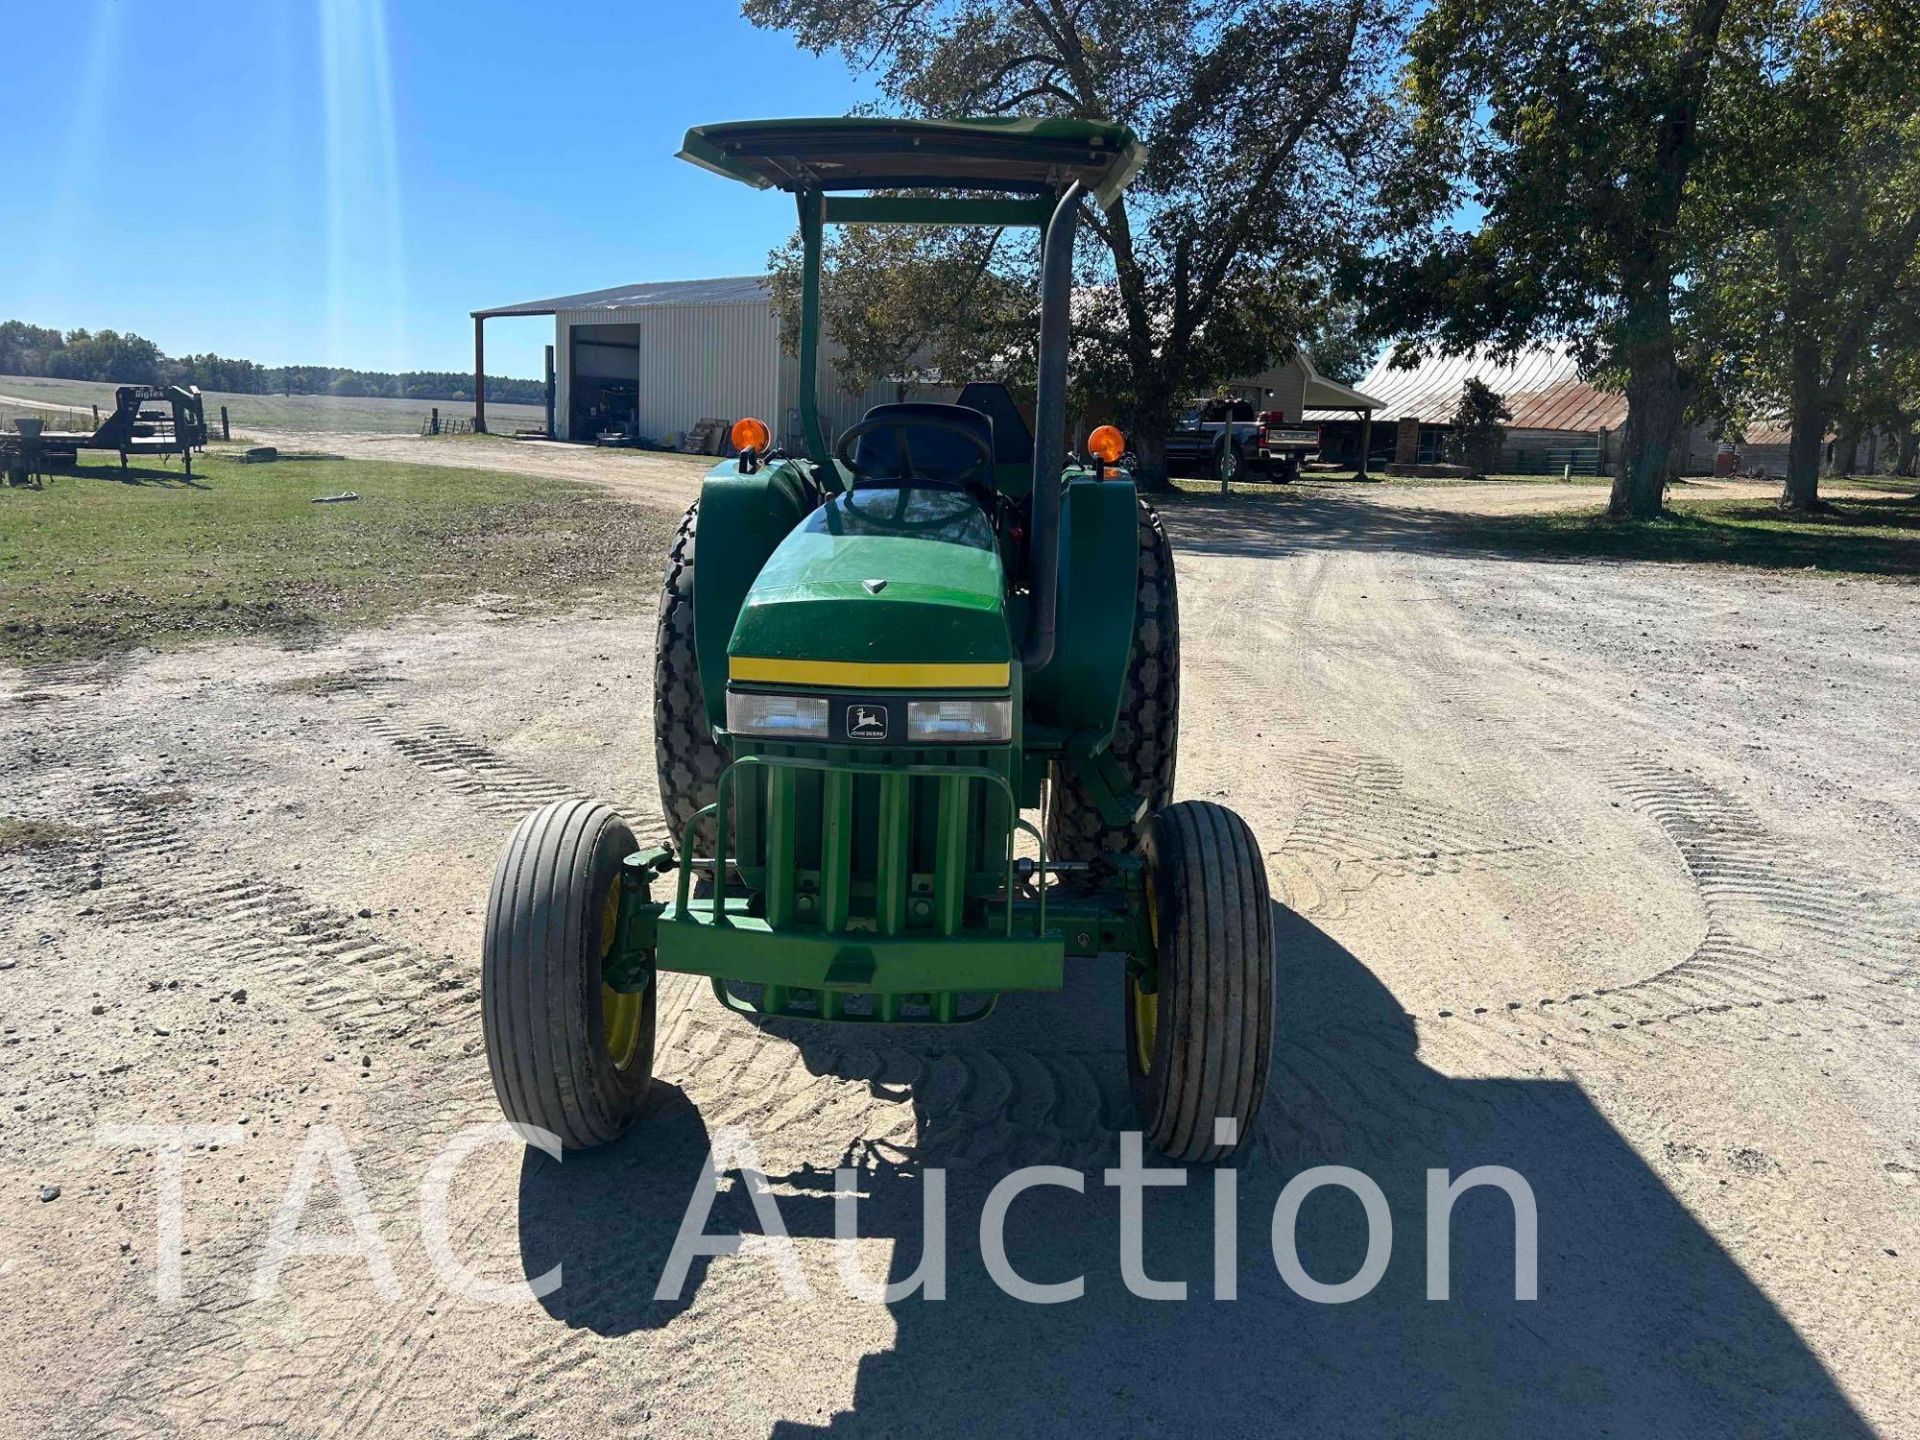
[(922, 846)]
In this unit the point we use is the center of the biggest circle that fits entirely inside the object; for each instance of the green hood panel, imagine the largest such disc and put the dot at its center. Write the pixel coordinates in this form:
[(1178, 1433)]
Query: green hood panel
[(881, 577)]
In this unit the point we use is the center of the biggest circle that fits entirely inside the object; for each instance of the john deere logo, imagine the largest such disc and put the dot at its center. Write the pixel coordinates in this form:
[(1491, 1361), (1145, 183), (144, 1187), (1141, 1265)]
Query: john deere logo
[(866, 722)]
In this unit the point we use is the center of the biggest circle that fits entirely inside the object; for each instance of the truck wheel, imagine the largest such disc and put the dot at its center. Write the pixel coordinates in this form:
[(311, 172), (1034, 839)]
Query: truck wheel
[(686, 757), (1229, 465), (567, 1054), (1146, 737), (1200, 1044)]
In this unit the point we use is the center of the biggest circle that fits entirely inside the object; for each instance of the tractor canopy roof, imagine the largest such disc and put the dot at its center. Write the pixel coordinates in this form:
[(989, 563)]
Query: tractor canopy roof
[(857, 152)]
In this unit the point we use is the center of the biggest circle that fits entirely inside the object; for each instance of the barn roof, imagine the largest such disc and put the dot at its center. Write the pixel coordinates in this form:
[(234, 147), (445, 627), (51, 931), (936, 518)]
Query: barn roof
[(1541, 385), (726, 290)]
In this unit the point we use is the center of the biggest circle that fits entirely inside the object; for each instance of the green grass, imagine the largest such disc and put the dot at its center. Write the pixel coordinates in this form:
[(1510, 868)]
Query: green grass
[(1311, 481), (95, 563), (1855, 536), (282, 412), (1891, 484)]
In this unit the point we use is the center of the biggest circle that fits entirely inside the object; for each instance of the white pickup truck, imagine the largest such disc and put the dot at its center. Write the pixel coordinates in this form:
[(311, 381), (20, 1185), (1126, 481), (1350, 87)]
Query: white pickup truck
[(1232, 449)]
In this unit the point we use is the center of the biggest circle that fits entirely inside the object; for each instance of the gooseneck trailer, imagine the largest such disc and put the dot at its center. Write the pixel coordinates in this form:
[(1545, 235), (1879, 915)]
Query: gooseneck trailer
[(916, 711), (145, 420)]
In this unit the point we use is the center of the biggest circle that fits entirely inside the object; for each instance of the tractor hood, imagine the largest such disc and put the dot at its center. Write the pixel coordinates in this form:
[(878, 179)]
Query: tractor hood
[(880, 589)]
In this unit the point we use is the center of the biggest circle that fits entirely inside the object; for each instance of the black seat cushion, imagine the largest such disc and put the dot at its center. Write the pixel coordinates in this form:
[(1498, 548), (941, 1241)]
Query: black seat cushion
[(935, 451)]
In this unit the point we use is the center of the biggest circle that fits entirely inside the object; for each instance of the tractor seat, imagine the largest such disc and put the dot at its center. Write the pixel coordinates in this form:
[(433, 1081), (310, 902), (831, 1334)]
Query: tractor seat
[(934, 454), (1012, 440)]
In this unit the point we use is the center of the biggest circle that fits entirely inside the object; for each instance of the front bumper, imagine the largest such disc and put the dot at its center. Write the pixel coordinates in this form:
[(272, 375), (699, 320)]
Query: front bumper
[(736, 946)]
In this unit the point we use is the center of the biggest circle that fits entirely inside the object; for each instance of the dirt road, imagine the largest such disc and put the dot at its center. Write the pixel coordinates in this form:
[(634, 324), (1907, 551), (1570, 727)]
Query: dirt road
[(47, 405), (1606, 873)]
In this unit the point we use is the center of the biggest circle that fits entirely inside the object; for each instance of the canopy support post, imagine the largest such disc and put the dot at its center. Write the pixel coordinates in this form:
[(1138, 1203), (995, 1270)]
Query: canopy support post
[(810, 227), (1050, 429)]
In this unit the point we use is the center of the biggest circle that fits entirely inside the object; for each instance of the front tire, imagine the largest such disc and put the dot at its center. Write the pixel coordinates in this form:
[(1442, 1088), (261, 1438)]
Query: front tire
[(1200, 1045), (568, 1054)]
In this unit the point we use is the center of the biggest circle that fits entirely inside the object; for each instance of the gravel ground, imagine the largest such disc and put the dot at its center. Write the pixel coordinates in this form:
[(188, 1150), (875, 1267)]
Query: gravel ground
[(1606, 873)]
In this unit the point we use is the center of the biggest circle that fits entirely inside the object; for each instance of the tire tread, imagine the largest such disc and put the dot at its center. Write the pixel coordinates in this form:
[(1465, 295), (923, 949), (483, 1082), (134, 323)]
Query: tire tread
[(540, 978), (687, 759), (1214, 1048)]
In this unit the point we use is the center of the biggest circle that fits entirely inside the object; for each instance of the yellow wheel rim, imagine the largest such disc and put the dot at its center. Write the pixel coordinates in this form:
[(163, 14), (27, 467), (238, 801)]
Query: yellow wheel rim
[(619, 1013), (1146, 1004), (1146, 1025)]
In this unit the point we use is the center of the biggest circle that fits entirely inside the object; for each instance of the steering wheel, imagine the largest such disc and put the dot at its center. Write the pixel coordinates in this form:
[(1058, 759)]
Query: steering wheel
[(977, 476)]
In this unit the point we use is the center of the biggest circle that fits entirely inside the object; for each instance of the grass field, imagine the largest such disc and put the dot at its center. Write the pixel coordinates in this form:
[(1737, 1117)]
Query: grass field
[(96, 562), (1876, 536), (1866, 535), (1311, 479), (278, 412), (1891, 484)]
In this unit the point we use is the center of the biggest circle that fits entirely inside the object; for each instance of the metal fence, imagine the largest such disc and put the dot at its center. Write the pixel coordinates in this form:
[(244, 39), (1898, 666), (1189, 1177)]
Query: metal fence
[(1575, 459)]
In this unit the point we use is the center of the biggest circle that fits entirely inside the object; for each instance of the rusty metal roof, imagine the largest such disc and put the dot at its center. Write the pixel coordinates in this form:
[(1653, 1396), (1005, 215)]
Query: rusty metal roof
[(1542, 387)]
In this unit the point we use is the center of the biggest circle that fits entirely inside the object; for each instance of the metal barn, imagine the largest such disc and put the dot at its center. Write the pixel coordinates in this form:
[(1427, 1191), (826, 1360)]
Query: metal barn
[(1559, 420), (653, 360)]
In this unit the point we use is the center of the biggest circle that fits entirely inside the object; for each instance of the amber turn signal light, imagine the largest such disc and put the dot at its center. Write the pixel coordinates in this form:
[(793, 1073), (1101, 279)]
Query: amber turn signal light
[(751, 434), (1107, 444)]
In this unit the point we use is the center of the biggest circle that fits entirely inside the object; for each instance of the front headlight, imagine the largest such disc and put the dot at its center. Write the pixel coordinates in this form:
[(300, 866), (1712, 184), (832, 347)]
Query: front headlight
[(778, 717), (974, 720)]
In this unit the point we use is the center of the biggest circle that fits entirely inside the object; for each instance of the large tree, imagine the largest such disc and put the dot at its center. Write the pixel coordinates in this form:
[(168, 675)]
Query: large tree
[(1811, 268), (1265, 122), (919, 302), (1577, 128), (1887, 395)]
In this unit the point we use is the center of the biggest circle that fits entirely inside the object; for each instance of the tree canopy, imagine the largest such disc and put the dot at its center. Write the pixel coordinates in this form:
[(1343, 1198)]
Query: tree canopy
[(1264, 122), (1578, 129), (1809, 273)]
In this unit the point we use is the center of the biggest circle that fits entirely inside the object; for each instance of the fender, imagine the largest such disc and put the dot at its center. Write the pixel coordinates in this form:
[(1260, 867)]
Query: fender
[(743, 519)]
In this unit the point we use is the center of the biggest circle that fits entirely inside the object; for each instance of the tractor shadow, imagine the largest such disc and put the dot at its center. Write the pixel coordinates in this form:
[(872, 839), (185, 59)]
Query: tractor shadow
[(1644, 1325), (608, 1218)]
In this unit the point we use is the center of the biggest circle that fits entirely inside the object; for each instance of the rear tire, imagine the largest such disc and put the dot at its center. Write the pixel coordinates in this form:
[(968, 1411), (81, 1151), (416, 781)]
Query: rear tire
[(567, 1054), (1200, 1046), (687, 758), (1146, 735)]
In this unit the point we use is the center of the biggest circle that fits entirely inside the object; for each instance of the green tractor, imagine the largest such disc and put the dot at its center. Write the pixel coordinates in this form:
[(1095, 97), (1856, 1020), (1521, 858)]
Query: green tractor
[(889, 652)]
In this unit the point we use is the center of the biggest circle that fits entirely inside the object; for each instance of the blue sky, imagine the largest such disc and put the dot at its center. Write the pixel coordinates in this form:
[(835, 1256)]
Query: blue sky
[(341, 181)]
